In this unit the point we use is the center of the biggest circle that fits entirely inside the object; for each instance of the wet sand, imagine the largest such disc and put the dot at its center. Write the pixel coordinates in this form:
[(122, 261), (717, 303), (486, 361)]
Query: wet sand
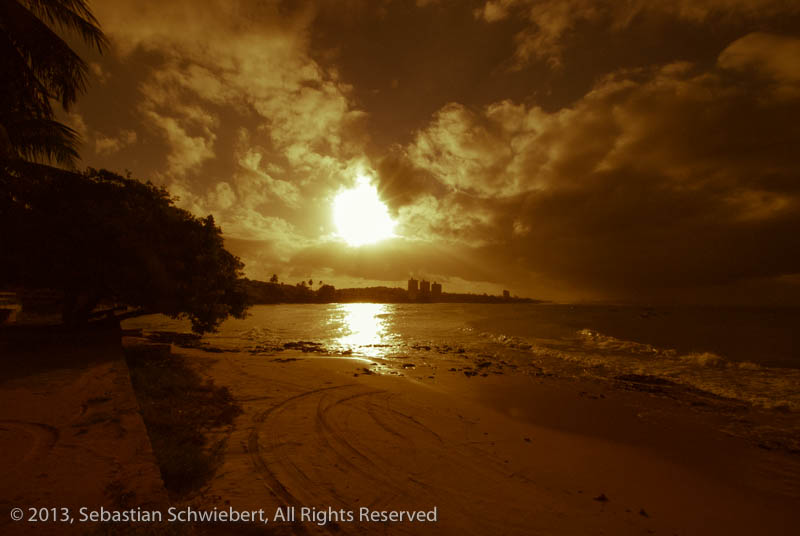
[(497, 454)]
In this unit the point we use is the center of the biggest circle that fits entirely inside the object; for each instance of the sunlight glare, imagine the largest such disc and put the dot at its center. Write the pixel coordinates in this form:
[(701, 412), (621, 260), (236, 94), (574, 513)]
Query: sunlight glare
[(360, 216), (364, 328)]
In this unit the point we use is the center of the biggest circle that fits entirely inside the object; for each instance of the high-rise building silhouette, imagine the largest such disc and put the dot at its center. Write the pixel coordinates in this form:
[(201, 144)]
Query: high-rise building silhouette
[(436, 290), (413, 288)]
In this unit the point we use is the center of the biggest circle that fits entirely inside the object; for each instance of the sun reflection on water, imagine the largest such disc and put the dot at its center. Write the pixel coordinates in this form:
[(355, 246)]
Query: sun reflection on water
[(364, 327)]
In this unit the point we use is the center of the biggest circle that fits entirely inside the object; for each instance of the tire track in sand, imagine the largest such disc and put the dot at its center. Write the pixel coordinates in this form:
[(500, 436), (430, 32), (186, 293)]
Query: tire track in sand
[(253, 448)]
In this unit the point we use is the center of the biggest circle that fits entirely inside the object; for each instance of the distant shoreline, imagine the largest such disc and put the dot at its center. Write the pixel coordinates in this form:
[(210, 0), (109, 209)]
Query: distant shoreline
[(265, 293), (478, 299)]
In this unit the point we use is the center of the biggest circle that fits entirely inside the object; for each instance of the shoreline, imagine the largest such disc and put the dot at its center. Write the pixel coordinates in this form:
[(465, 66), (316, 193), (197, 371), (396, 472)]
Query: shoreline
[(493, 450), (504, 453)]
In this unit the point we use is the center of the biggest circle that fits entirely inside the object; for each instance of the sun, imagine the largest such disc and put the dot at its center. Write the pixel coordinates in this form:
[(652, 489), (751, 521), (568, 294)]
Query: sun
[(360, 215)]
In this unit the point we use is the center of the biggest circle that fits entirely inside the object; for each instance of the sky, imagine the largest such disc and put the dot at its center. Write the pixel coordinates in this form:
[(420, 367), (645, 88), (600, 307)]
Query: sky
[(576, 150)]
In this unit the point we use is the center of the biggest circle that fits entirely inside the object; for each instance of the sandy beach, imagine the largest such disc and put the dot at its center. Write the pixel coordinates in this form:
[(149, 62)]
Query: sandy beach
[(71, 432), (344, 445), (500, 454)]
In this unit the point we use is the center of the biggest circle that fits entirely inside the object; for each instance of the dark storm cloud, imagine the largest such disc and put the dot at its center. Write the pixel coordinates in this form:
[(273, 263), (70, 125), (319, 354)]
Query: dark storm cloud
[(402, 182), (660, 179), (553, 25), (394, 260)]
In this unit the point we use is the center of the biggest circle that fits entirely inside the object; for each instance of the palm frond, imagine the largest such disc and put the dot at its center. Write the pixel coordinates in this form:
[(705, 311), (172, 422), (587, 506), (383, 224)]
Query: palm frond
[(37, 65), (42, 140), (48, 56), (71, 15), (23, 91)]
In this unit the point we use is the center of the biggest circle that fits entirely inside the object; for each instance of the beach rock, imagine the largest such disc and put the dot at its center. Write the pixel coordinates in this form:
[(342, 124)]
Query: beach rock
[(185, 340), (305, 346), (262, 349), (601, 498)]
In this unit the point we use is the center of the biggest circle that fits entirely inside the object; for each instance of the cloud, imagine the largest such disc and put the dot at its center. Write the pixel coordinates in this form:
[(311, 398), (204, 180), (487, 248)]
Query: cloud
[(463, 151), (251, 172), (76, 122), (494, 10), (613, 175), (109, 144), (394, 260), (187, 151), (99, 74), (663, 178), (237, 54), (773, 57), (253, 125), (552, 23)]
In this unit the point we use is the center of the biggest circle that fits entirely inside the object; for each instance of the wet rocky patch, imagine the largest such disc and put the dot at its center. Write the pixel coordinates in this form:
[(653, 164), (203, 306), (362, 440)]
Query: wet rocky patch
[(184, 340)]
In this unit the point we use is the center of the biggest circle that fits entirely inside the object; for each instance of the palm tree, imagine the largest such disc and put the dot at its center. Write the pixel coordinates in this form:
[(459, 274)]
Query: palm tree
[(37, 66)]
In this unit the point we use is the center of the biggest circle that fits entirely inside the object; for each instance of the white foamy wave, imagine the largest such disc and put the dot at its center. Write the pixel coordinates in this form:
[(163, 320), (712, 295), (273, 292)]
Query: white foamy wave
[(602, 355), (599, 341), (704, 359), (508, 341)]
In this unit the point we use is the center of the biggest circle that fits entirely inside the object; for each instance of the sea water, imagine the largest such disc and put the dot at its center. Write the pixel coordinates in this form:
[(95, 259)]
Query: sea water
[(749, 355)]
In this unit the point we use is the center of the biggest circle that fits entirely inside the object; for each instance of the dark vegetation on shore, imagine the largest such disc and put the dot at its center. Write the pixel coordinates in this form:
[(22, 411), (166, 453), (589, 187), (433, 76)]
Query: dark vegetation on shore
[(182, 413), (95, 238), (113, 247)]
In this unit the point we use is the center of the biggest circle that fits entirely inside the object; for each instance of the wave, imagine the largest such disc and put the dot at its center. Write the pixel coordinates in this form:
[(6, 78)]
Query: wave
[(596, 354)]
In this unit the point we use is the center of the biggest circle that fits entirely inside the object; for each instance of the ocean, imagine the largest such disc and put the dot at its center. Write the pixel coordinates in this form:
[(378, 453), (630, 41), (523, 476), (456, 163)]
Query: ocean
[(744, 355)]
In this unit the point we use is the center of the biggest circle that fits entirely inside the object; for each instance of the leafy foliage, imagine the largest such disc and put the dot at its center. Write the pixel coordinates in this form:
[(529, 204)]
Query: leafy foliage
[(100, 237)]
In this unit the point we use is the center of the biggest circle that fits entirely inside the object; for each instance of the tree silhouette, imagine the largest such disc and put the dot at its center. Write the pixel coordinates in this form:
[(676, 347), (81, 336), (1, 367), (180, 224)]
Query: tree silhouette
[(326, 293), (102, 239), (274, 278), (39, 66)]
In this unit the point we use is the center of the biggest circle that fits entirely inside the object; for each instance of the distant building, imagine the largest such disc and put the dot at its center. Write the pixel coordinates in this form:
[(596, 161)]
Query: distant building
[(413, 288), (506, 295), (436, 290), (425, 287)]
